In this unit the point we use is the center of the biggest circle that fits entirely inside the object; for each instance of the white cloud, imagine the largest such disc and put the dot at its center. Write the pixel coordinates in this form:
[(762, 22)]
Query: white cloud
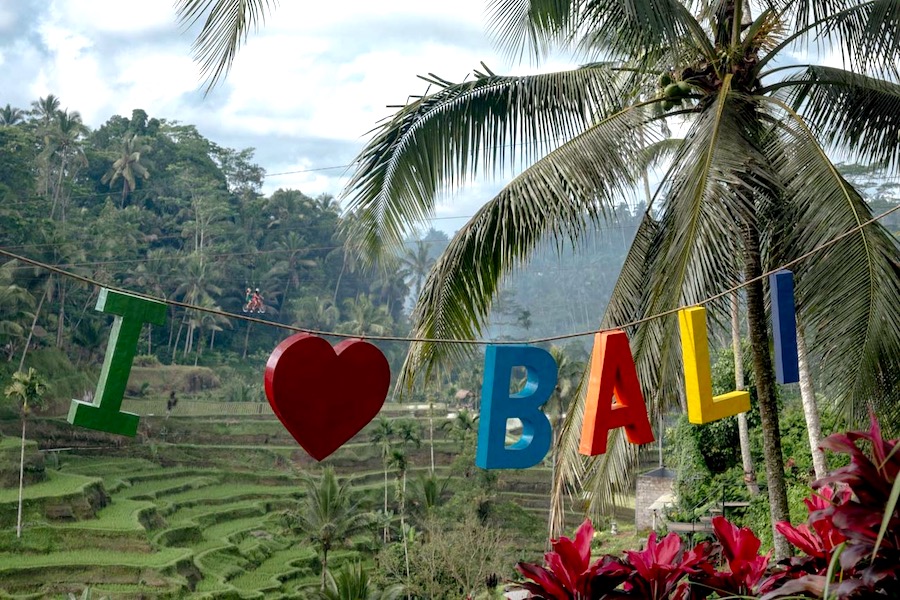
[(304, 90), (7, 17), (114, 16)]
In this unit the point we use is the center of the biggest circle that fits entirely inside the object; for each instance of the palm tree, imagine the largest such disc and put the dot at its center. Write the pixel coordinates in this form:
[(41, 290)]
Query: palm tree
[(45, 109), (353, 583), (383, 438), (208, 321), (463, 426), (429, 489), (292, 250), (150, 275), (329, 515), (399, 461), (568, 382), (315, 312), (407, 434), (743, 423), (751, 178), (389, 288), (810, 409), (128, 166), (418, 263), (11, 116), (66, 138), (364, 317), (194, 288), (17, 303), (27, 388)]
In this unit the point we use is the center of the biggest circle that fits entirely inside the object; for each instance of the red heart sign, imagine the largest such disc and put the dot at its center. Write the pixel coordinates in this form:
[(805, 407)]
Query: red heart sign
[(323, 395)]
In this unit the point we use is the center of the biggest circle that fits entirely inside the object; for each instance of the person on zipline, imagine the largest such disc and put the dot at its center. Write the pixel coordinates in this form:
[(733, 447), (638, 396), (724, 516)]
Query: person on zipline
[(256, 302), (248, 300)]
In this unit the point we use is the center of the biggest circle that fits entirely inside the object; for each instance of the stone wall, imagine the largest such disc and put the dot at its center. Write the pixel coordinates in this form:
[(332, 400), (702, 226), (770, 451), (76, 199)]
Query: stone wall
[(650, 486)]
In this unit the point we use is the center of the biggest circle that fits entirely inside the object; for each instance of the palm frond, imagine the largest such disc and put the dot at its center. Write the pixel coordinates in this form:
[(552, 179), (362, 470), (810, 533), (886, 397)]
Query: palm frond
[(866, 32), (638, 28), (626, 27), (228, 24), (560, 195), (531, 26), (849, 111), (847, 295), (709, 193), (624, 306), (444, 138), (660, 153)]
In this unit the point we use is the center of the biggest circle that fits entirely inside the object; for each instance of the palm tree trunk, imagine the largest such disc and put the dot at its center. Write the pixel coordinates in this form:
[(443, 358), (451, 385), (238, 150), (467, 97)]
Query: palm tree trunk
[(178, 337), (743, 426), (810, 410), (171, 328), (337, 285), (188, 339), (324, 565), (403, 531), (21, 481), (247, 340), (199, 351), (287, 286), (554, 520), (386, 523), (62, 168), (765, 390), (431, 431), (37, 312), (60, 322)]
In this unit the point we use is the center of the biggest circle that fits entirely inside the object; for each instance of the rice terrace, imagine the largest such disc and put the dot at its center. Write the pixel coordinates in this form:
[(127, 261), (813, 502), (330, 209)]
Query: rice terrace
[(481, 300)]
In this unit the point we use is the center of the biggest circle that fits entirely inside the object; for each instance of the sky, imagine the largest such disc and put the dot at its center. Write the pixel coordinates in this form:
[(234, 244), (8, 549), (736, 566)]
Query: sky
[(304, 91)]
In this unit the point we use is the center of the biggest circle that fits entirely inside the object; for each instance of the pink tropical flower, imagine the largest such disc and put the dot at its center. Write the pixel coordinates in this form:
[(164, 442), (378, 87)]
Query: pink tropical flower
[(746, 567), (568, 573), (661, 567)]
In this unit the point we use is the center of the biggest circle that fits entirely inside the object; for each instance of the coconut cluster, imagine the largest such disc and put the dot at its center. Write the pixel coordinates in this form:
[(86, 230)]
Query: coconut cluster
[(674, 92)]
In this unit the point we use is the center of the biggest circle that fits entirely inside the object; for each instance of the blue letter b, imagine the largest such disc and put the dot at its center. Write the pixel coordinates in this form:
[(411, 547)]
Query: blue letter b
[(497, 406)]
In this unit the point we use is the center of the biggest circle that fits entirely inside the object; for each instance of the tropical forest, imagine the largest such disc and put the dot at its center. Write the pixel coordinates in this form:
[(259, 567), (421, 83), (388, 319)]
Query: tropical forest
[(662, 362)]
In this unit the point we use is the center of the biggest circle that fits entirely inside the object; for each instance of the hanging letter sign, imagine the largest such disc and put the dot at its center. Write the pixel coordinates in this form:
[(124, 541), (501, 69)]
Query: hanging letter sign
[(131, 314), (322, 395), (498, 406), (613, 374), (702, 406), (784, 327)]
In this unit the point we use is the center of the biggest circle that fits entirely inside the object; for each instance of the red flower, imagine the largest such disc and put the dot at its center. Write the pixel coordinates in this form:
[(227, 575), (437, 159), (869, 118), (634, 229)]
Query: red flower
[(746, 567), (821, 539), (569, 574), (661, 566)]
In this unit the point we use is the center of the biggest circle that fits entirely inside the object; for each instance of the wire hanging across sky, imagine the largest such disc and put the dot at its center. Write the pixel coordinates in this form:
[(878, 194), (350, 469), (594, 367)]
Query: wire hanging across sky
[(387, 338)]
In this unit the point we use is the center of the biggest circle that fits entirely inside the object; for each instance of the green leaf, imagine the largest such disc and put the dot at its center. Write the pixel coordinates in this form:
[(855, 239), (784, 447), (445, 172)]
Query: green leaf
[(888, 516), (445, 138), (559, 196), (228, 24), (847, 295), (622, 28), (849, 111)]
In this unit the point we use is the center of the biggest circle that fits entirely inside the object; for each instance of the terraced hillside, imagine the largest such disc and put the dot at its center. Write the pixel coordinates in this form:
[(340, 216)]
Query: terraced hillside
[(158, 532), (193, 508)]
